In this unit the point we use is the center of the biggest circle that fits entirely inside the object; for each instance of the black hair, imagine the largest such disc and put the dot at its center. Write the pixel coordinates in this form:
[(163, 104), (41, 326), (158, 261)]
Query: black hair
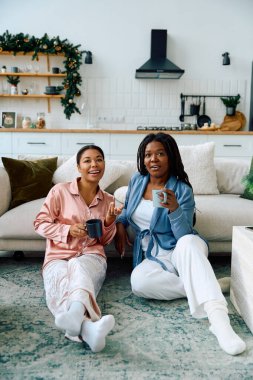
[(84, 148), (172, 151)]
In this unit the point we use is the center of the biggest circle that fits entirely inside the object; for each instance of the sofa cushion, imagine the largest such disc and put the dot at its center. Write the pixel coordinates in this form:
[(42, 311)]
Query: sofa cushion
[(5, 191), (217, 214), (30, 157), (18, 222), (120, 195), (230, 172), (68, 172), (198, 163), (123, 180), (247, 181), (29, 179)]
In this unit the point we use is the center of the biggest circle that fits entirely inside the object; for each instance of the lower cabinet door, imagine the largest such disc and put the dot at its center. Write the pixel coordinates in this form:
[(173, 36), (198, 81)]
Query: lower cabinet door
[(72, 142), (37, 143)]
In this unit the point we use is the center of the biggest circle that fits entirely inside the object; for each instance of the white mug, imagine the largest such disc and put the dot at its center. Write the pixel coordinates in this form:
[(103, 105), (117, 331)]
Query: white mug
[(157, 200)]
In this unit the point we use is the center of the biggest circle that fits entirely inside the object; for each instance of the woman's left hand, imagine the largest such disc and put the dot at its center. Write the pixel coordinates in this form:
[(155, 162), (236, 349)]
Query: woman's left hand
[(171, 202), (112, 213)]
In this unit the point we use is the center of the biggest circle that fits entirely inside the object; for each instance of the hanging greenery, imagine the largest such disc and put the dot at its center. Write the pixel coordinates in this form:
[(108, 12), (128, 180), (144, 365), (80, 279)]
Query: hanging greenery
[(73, 59)]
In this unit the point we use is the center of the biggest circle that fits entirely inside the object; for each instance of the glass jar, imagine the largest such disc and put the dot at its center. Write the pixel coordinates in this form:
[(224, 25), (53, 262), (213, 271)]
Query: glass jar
[(26, 122), (41, 122)]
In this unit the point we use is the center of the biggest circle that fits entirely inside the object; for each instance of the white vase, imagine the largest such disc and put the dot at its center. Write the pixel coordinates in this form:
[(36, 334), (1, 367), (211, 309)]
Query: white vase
[(14, 90)]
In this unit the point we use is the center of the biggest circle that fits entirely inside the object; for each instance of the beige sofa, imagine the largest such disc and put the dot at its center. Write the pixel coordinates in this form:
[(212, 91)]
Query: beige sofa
[(216, 183)]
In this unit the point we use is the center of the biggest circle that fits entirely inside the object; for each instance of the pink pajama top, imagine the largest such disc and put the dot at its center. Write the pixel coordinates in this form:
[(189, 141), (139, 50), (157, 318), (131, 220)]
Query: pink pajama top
[(63, 207)]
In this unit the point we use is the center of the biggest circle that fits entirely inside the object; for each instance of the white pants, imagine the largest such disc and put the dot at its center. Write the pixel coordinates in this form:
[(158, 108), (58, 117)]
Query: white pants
[(79, 279), (195, 280)]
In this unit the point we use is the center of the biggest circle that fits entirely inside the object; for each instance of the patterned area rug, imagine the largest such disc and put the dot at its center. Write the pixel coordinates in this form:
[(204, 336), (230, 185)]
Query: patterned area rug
[(152, 340)]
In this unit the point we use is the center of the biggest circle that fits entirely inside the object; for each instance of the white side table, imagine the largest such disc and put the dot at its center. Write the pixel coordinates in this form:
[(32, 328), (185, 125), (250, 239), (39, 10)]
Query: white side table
[(241, 291)]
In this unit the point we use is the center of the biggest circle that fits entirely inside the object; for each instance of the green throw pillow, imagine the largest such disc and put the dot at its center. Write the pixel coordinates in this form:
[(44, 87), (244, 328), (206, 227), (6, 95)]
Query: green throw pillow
[(248, 183), (29, 180)]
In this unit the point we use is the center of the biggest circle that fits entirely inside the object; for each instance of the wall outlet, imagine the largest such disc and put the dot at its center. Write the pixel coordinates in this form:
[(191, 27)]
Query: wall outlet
[(111, 119)]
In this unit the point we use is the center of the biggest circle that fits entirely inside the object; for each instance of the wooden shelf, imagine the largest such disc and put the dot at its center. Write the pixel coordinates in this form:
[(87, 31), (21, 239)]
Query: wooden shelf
[(45, 75), (43, 96), (48, 75), (28, 53)]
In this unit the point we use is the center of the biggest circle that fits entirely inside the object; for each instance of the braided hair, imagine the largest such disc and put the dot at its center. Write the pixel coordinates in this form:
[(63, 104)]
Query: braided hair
[(172, 151)]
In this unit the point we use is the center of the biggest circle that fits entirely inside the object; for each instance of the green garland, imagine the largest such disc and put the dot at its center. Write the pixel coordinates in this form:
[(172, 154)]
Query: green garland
[(73, 59)]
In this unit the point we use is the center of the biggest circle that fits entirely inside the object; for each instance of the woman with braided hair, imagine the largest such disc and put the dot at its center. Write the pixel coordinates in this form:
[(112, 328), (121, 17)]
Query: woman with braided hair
[(169, 257)]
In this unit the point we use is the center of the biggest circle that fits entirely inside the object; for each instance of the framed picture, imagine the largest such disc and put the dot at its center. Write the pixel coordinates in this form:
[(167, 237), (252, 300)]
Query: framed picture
[(8, 119)]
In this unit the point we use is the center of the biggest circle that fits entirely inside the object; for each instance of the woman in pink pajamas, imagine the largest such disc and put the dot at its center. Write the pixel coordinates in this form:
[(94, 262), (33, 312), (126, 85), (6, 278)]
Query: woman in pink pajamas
[(74, 267)]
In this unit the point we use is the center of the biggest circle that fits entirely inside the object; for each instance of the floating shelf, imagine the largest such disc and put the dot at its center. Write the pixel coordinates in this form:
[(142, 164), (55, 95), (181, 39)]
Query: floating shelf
[(31, 96), (45, 75)]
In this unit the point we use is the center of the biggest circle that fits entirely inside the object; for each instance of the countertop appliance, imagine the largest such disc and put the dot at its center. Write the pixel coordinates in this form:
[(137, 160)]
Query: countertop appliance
[(160, 128), (181, 127)]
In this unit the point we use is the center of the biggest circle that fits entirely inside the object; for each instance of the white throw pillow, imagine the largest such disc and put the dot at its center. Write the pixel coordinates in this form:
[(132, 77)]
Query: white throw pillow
[(67, 172), (198, 163), (120, 195), (230, 172)]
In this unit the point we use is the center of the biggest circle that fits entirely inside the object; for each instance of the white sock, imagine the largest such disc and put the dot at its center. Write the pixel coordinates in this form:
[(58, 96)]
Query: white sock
[(71, 321), (224, 284), (94, 333), (218, 317)]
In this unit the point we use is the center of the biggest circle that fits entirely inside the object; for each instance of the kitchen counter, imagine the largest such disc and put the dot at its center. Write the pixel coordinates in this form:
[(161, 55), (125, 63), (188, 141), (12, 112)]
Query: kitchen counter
[(126, 132), (116, 144)]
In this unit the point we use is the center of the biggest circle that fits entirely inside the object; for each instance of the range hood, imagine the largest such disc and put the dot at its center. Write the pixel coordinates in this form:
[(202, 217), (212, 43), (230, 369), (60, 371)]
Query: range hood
[(158, 66)]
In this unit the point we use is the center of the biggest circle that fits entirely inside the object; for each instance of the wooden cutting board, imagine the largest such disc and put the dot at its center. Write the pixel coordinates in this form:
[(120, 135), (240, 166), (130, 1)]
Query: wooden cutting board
[(233, 123)]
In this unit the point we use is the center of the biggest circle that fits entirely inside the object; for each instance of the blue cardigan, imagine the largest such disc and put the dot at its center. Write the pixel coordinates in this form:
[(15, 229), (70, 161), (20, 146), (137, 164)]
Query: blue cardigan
[(165, 227)]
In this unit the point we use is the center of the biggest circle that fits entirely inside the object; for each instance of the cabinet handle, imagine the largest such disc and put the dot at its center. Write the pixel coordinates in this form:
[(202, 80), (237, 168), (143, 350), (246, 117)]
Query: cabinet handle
[(36, 143), (85, 143), (233, 145)]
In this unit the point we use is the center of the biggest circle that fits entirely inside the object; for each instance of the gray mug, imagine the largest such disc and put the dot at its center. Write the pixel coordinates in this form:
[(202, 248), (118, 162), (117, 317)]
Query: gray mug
[(157, 200), (94, 228), (14, 69), (55, 70)]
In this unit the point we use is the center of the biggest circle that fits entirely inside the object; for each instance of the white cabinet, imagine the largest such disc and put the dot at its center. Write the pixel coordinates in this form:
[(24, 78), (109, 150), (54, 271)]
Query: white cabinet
[(72, 142), (125, 146), (190, 139), (6, 144), (36, 143), (232, 145), (115, 145)]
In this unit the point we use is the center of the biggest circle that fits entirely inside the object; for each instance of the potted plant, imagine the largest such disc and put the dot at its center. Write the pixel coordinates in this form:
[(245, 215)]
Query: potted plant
[(3, 69), (231, 102), (14, 83)]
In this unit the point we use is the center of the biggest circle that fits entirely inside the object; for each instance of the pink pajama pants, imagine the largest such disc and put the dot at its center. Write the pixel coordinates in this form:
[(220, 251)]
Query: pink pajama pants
[(78, 279)]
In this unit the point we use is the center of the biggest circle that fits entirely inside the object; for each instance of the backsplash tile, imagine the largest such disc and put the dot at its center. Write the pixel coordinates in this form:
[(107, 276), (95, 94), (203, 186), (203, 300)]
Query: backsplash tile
[(126, 102)]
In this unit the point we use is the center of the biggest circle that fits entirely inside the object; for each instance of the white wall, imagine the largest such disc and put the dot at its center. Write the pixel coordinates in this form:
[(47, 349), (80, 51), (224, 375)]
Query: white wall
[(118, 34)]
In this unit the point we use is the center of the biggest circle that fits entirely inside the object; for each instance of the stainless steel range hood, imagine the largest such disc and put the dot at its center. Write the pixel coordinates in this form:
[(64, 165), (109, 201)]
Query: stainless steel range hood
[(158, 66)]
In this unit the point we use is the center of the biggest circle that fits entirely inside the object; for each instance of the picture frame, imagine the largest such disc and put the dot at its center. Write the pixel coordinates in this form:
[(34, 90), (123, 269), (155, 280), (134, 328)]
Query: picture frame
[(8, 119)]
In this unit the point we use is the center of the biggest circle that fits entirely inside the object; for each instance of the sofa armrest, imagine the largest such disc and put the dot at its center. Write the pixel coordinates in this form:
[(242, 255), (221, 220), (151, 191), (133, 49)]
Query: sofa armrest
[(5, 191)]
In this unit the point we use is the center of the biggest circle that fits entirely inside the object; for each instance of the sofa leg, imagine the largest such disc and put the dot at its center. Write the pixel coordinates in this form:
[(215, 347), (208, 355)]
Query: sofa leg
[(18, 255)]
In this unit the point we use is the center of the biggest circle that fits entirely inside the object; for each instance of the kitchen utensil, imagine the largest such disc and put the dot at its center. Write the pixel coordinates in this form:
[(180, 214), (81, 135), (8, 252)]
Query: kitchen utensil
[(238, 116), (194, 109), (181, 117), (202, 119)]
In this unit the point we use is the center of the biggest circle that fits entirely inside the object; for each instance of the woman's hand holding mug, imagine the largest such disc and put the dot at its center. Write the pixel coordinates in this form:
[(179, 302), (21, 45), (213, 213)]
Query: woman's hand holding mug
[(77, 230), (165, 198)]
